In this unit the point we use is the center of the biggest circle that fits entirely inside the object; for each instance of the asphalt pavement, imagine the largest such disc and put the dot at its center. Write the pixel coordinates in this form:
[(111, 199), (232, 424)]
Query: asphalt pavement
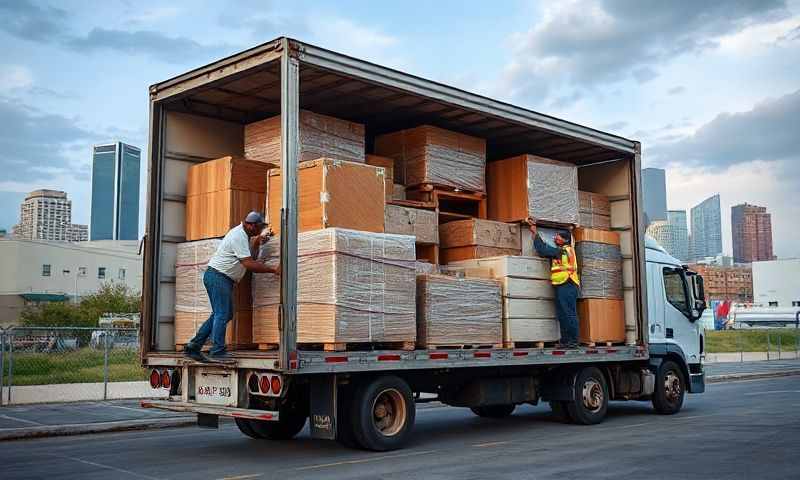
[(743, 429)]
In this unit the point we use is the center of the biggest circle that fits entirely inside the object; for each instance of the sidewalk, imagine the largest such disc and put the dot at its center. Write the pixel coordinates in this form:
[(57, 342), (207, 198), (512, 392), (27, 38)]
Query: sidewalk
[(751, 356), (54, 419), (79, 392)]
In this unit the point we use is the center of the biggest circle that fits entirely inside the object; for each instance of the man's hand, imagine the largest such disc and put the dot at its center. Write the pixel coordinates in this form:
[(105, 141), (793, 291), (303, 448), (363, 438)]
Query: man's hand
[(531, 224)]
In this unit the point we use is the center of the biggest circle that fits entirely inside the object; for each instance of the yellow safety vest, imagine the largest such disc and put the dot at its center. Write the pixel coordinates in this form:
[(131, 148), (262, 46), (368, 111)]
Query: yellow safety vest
[(564, 268)]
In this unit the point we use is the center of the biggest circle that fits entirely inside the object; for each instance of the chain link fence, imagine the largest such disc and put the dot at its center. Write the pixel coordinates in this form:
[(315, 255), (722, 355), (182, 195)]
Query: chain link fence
[(753, 344), (72, 361)]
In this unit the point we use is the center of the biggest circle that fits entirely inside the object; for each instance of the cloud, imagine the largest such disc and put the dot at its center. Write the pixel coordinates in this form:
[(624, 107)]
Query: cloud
[(26, 20), (767, 132), (14, 77), (615, 126), (595, 42), (33, 142), (676, 90)]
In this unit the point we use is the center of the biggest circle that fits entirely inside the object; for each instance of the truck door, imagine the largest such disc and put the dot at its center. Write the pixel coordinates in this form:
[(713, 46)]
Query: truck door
[(655, 302), (680, 314)]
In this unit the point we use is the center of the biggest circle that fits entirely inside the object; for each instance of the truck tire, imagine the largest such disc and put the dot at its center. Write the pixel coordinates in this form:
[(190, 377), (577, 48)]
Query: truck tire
[(244, 427), (494, 411), (560, 411), (590, 397), (289, 424), (670, 389), (382, 413)]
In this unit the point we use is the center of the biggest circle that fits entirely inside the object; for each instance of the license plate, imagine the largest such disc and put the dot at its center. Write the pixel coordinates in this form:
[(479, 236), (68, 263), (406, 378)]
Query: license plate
[(215, 388)]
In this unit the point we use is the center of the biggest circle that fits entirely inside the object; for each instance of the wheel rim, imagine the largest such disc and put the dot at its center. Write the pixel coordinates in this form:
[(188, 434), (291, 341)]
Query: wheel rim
[(593, 395), (672, 386), (389, 412)]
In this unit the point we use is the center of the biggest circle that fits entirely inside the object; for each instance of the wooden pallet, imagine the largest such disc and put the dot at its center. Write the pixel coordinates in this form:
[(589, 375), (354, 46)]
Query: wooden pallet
[(450, 204), (539, 345), (430, 187), (345, 346), (601, 344), (428, 253), (180, 347), (413, 204), (465, 346)]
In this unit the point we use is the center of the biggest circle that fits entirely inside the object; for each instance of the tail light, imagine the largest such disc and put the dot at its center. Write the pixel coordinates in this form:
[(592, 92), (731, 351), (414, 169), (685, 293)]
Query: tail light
[(155, 379), (252, 383), (264, 383), (166, 381), (276, 385)]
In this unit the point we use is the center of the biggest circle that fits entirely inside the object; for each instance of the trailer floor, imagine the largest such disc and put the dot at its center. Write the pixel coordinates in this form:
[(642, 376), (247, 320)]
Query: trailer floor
[(745, 429)]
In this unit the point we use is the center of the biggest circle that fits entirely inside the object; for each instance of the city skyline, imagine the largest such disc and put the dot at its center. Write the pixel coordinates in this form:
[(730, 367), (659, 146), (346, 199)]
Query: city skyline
[(115, 192)]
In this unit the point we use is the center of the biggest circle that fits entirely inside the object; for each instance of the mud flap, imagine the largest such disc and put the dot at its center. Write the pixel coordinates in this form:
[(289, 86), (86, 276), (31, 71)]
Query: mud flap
[(323, 407)]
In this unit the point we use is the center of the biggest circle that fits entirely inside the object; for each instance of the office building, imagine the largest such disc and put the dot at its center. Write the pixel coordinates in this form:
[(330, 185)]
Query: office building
[(36, 271), (776, 283), (115, 192), (78, 233), (672, 234), (654, 193), (734, 283), (707, 228), (751, 226), (45, 215)]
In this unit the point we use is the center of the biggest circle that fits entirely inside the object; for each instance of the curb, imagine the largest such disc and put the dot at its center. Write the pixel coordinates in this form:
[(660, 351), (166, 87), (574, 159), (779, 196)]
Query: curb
[(100, 427), (188, 421), (750, 376)]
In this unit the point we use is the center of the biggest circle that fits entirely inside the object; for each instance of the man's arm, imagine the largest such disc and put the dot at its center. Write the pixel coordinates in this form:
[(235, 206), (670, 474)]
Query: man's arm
[(257, 267), (542, 248)]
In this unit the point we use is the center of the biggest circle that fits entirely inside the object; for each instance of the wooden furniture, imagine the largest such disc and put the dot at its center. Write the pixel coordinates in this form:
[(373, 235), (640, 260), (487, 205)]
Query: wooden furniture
[(601, 320), (332, 193), (220, 193)]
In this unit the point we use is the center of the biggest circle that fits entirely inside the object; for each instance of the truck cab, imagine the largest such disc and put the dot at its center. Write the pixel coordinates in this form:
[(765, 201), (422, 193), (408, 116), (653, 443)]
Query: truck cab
[(676, 301)]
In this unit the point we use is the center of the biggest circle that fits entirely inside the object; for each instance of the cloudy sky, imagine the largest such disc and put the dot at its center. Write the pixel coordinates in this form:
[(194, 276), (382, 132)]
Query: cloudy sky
[(711, 88)]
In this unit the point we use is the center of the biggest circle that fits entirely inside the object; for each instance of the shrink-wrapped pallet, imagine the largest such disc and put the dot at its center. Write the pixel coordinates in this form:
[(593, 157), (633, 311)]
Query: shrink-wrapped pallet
[(432, 155), (594, 210), (423, 224), (477, 238), (530, 186), (600, 269), (320, 136), (528, 296), (352, 287), (458, 311), (192, 306)]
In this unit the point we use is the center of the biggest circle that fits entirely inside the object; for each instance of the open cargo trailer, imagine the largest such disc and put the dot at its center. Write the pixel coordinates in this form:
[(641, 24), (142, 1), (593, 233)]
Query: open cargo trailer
[(364, 398)]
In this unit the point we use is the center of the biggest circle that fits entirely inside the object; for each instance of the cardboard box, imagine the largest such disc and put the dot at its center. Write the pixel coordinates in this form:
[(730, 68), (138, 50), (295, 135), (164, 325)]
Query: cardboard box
[(530, 186), (601, 320), (220, 193), (332, 193), (595, 235), (353, 287), (423, 224), (320, 136), (388, 165), (455, 254), (599, 263), (594, 210), (458, 311), (478, 232), (192, 305), (432, 155)]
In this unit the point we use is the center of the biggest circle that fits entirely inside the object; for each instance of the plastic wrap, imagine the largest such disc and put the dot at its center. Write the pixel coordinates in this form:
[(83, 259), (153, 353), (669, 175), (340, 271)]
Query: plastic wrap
[(458, 311), (426, 268), (552, 190), (600, 268), (428, 154), (320, 136), (423, 224), (594, 210), (476, 231), (352, 287)]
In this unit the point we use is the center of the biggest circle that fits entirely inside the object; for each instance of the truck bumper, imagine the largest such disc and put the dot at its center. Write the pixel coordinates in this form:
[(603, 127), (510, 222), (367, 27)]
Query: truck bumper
[(263, 415), (697, 382)]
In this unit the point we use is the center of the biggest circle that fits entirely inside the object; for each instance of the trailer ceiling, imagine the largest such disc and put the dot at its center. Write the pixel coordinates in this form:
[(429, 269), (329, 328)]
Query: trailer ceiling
[(343, 87)]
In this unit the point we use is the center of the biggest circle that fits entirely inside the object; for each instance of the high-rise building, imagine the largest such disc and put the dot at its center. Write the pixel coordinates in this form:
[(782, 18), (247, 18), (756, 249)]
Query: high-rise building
[(115, 192), (78, 233), (654, 192), (677, 220), (671, 236), (751, 226), (45, 215), (707, 228)]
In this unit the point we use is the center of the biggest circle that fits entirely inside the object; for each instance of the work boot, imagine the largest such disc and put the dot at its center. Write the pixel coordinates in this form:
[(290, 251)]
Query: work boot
[(195, 355), (223, 357)]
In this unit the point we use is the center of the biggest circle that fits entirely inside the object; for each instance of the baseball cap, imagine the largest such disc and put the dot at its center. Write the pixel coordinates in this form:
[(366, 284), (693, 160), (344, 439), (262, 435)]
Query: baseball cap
[(254, 217)]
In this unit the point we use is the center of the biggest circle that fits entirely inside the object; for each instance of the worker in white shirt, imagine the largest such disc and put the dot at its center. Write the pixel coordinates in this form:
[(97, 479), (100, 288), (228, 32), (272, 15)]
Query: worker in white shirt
[(235, 255)]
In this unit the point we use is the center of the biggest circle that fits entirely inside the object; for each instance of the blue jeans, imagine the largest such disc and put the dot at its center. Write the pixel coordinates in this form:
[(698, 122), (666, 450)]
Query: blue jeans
[(567, 311), (220, 292)]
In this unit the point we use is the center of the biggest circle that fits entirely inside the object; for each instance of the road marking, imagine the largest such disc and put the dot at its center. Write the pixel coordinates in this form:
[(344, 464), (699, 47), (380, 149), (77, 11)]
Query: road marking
[(139, 409), (490, 444), (242, 477), (768, 392), (634, 425), (20, 420), (365, 460), (101, 465)]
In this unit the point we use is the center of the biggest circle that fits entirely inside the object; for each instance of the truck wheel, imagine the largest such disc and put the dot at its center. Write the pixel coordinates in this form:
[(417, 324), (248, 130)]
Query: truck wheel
[(590, 395), (244, 427), (494, 411), (382, 413), (560, 411), (288, 425), (670, 389)]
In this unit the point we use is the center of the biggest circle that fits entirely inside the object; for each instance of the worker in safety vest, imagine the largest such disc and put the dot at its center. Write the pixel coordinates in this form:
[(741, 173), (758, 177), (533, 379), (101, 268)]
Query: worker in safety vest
[(564, 277)]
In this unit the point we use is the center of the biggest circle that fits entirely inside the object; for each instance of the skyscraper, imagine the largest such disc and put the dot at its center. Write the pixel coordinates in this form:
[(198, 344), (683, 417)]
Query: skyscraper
[(654, 191), (672, 234), (78, 233), (751, 226), (707, 228), (115, 192), (45, 215)]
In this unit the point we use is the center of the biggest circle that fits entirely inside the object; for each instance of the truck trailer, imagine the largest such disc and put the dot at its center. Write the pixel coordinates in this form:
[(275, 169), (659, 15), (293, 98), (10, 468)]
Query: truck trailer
[(367, 398)]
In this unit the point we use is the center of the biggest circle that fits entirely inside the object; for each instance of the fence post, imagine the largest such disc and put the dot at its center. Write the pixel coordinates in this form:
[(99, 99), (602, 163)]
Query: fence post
[(105, 365), (796, 346), (2, 363), (779, 346), (10, 365), (769, 345), (739, 344)]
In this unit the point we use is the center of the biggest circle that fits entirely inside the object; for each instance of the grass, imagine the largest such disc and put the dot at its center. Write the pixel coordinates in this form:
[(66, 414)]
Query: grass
[(84, 365), (721, 341)]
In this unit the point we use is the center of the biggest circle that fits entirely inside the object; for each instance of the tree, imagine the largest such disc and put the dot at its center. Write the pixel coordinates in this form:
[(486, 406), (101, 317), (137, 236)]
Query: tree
[(55, 314), (110, 298)]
